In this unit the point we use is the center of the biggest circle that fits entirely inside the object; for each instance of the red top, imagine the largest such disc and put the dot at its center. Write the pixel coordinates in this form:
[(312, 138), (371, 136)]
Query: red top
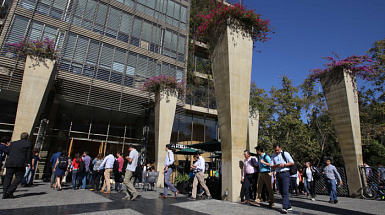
[(121, 162), (76, 165)]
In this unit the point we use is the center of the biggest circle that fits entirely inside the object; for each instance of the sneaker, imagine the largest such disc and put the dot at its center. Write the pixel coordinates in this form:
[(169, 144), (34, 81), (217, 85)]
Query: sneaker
[(82, 189), (191, 199), (209, 197), (92, 190), (134, 196), (290, 209), (335, 201), (126, 198), (284, 211), (313, 199)]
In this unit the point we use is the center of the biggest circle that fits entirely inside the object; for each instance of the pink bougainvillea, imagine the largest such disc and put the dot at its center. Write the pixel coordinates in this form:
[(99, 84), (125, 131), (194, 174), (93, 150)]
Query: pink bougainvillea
[(165, 83), (356, 65), (40, 49), (245, 19)]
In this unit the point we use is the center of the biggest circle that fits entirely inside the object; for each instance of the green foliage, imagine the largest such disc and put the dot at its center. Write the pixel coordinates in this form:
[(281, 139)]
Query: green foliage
[(181, 178)]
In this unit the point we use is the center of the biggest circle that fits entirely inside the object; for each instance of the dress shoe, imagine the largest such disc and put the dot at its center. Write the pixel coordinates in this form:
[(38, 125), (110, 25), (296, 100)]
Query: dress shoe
[(107, 192), (176, 194), (162, 196), (134, 197), (245, 202)]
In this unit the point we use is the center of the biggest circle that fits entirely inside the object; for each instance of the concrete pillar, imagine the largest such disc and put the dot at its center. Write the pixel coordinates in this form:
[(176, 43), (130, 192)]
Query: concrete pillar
[(165, 106), (341, 96), (37, 81), (231, 56), (252, 131)]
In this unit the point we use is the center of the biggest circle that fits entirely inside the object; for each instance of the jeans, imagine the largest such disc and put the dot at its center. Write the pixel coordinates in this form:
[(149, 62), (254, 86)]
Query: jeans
[(249, 182), (26, 175), (118, 184), (305, 185), (96, 177), (293, 185), (31, 175), (311, 187), (74, 178), (84, 179), (283, 186), (331, 186), (167, 183)]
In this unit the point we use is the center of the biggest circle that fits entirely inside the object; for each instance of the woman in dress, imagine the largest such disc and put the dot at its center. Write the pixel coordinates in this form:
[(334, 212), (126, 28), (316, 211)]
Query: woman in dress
[(60, 172)]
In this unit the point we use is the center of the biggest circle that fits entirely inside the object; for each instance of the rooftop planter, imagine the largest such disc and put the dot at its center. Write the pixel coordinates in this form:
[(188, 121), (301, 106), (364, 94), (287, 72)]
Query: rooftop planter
[(165, 84)]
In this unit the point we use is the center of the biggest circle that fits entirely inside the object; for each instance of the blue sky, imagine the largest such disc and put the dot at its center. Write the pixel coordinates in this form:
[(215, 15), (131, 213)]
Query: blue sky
[(307, 30)]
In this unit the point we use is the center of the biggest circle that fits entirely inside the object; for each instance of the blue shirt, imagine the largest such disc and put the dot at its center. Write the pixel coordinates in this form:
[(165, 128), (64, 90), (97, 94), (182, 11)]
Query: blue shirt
[(54, 158), (3, 149), (263, 167), (330, 172), (278, 159)]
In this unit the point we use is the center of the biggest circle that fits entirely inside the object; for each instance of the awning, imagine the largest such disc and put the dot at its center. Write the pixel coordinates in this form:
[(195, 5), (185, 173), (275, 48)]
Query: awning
[(187, 151), (211, 146)]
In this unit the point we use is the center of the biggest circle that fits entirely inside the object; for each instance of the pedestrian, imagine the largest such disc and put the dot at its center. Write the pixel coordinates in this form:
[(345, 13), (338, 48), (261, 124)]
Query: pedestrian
[(329, 172), (199, 169), (250, 165), (36, 159), (118, 174), (281, 162), (293, 184), (20, 156), (53, 162), (97, 173), (169, 163), (300, 177), (368, 173), (308, 175), (265, 177), (132, 159), (85, 174), (108, 164), (5, 141), (381, 173), (75, 171), (61, 166)]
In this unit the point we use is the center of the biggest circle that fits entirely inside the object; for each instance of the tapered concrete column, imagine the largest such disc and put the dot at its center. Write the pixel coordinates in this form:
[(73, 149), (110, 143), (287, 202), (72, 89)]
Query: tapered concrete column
[(165, 106), (252, 131), (37, 81), (231, 63), (341, 96)]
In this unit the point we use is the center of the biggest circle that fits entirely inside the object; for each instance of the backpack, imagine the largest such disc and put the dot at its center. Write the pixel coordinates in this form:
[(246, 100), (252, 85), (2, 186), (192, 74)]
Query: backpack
[(293, 169), (82, 166), (138, 169), (63, 163), (116, 166)]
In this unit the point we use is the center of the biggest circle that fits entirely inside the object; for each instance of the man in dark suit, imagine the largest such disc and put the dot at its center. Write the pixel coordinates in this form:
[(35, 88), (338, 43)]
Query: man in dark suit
[(19, 156)]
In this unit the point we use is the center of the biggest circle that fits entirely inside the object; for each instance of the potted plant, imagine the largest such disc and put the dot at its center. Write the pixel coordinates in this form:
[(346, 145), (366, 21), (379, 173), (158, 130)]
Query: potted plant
[(182, 181), (338, 81)]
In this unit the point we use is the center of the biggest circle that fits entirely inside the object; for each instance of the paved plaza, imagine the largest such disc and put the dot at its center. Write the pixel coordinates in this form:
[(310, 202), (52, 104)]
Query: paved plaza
[(40, 199)]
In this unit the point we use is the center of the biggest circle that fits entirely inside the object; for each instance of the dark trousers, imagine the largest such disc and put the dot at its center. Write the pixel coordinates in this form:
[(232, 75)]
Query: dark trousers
[(19, 174), (249, 183), (96, 175), (283, 186), (293, 185), (311, 188)]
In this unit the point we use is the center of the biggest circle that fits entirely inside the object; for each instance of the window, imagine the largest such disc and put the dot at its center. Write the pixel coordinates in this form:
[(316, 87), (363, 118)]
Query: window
[(106, 56), (80, 50), (93, 52), (119, 60), (131, 64), (142, 66)]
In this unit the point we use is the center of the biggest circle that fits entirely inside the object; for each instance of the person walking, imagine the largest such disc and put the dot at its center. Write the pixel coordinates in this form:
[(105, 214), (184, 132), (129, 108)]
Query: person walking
[(36, 159), (265, 177), (308, 175), (381, 173), (329, 172), (250, 165), (133, 157), (118, 174), (293, 184), (85, 174), (97, 173), (61, 166), (75, 171), (53, 162), (108, 164), (199, 169), (169, 162), (5, 141), (281, 162), (20, 156)]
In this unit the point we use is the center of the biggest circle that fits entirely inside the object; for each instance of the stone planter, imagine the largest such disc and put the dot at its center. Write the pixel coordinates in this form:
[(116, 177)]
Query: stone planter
[(165, 105), (38, 78), (182, 187), (231, 56), (341, 96)]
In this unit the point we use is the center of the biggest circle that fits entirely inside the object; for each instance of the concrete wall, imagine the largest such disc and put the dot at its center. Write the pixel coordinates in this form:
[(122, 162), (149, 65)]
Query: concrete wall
[(165, 106), (231, 62), (252, 131), (37, 81), (342, 100)]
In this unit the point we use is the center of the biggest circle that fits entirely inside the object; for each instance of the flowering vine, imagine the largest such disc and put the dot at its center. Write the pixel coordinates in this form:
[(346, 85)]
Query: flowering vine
[(164, 83), (356, 65), (237, 14), (40, 49)]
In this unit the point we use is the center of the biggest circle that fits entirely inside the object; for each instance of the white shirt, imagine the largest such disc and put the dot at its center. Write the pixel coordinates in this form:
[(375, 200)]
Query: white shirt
[(278, 159), (108, 162), (309, 174), (134, 156), (201, 165), (169, 158)]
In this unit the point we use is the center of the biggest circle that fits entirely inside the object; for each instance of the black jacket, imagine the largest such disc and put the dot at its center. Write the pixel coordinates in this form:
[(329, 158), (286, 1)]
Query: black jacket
[(19, 154)]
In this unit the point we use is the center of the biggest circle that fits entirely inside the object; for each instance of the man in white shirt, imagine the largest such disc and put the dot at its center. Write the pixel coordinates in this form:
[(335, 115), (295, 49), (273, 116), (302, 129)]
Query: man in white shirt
[(131, 192), (167, 173), (108, 163), (199, 169)]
